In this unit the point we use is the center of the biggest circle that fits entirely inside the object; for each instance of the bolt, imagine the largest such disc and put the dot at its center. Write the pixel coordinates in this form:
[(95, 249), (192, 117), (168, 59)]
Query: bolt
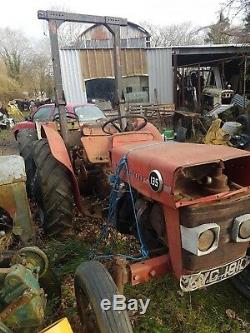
[(136, 277), (2, 233)]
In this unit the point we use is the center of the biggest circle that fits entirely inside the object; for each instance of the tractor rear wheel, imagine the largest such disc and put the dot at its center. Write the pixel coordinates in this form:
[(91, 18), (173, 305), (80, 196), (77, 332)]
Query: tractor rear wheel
[(52, 190), (25, 139), (93, 283)]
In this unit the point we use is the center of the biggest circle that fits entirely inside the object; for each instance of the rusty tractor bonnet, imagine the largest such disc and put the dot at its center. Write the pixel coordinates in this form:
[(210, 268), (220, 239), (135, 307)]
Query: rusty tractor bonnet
[(192, 205)]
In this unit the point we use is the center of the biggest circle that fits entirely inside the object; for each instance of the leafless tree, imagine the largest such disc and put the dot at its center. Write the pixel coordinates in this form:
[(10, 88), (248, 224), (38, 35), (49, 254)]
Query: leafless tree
[(24, 63), (15, 51), (241, 9), (226, 30), (174, 34), (237, 7)]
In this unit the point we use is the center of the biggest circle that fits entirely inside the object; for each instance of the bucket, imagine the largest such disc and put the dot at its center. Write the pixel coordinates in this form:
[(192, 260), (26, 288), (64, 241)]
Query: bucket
[(168, 134), (231, 127)]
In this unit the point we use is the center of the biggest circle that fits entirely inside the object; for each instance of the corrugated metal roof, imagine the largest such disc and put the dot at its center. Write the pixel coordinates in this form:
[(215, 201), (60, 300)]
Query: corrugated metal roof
[(160, 75), (73, 83)]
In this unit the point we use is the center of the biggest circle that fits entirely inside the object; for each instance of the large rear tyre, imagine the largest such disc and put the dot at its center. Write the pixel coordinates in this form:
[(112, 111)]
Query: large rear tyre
[(52, 190), (25, 139), (93, 283)]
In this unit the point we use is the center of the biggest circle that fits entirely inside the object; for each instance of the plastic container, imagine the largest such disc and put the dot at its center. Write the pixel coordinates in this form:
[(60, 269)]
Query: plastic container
[(168, 134), (231, 127)]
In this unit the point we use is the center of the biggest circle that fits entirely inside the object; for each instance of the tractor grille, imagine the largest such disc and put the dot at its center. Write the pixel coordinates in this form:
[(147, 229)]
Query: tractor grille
[(223, 213)]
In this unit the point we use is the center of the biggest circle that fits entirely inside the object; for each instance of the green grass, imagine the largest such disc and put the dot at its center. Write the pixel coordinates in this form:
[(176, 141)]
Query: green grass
[(6, 135), (202, 311), (217, 309)]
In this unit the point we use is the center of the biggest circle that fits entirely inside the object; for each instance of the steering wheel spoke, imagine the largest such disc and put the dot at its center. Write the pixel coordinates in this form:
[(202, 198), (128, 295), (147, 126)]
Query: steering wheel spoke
[(116, 126)]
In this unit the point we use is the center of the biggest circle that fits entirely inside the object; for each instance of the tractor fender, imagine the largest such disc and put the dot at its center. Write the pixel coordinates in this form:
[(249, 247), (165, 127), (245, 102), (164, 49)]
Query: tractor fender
[(23, 125), (60, 153)]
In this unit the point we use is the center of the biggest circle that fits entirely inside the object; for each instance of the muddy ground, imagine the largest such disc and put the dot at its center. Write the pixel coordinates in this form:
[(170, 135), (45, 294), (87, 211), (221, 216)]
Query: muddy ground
[(8, 145), (217, 309)]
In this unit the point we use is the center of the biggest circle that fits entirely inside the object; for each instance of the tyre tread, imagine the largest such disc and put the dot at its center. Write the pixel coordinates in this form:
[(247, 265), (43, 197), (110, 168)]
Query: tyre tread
[(54, 189)]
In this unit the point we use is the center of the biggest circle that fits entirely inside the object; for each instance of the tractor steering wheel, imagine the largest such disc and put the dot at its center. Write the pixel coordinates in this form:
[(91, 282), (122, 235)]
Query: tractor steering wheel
[(127, 129)]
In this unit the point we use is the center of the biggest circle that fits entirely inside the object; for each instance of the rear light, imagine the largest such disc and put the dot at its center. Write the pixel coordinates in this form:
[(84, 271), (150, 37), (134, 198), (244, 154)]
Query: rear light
[(241, 228), (200, 240)]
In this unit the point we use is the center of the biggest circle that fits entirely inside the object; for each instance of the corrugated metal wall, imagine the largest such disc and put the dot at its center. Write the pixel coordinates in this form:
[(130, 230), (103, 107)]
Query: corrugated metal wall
[(98, 63), (78, 66), (160, 75), (73, 82)]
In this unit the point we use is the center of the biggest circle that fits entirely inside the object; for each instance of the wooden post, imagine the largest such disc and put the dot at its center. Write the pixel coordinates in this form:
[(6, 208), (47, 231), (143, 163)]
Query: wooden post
[(199, 88), (183, 87), (175, 79)]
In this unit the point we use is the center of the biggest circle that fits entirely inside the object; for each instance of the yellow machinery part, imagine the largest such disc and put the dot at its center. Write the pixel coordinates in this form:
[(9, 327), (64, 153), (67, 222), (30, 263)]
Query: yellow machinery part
[(61, 326), (216, 135)]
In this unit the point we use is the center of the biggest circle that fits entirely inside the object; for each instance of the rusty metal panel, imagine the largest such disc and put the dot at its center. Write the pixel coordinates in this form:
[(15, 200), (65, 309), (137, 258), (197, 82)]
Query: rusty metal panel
[(73, 83), (96, 148), (59, 152), (98, 63), (144, 271), (168, 159), (97, 32), (98, 36), (13, 196), (12, 169), (100, 32), (223, 213), (160, 75)]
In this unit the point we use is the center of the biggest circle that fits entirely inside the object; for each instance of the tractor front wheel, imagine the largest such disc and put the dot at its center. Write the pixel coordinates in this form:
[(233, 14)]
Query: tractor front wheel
[(93, 284), (52, 190)]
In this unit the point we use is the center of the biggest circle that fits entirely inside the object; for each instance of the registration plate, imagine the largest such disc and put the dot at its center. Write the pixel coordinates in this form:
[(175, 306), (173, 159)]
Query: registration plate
[(214, 275)]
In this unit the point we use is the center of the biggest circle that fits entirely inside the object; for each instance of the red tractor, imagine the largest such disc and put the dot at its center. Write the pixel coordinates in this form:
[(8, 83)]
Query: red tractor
[(187, 204)]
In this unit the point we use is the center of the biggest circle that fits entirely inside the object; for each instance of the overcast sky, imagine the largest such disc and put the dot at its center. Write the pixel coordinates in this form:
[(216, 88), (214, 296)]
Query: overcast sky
[(21, 14)]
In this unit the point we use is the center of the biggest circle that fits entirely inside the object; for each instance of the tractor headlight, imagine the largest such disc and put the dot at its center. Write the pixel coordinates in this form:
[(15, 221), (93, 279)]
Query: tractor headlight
[(202, 239), (206, 240), (241, 228)]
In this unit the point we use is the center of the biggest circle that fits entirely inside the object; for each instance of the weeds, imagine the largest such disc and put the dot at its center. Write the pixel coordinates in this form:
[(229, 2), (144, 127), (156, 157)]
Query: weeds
[(203, 311)]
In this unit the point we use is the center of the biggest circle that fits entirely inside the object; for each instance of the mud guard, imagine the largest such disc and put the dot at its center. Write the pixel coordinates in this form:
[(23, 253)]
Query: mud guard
[(21, 126), (60, 153)]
